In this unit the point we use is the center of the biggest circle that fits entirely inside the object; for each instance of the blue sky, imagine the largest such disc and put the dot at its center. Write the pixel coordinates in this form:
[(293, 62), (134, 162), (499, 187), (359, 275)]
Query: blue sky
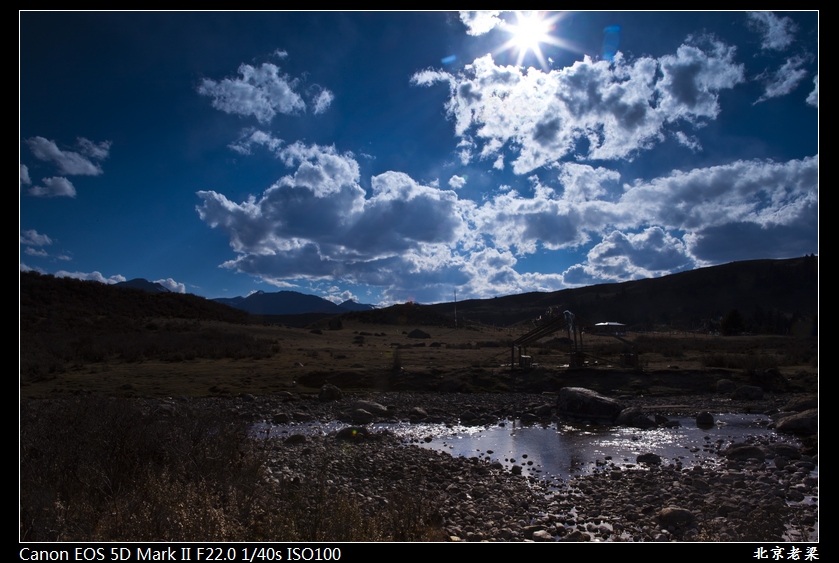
[(402, 156)]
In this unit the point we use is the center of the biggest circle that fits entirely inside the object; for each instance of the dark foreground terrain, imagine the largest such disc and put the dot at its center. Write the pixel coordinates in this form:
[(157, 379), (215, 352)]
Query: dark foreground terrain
[(178, 469), (136, 420)]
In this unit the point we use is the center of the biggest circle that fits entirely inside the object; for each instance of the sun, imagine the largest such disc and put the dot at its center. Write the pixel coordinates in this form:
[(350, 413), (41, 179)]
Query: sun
[(530, 31)]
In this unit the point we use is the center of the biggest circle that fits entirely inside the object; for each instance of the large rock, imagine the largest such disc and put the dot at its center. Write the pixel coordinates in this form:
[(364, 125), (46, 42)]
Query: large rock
[(330, 392), (635, 417), (371, 407), (743, 452), (417, 333), (584, 404), (675, 516), (705, 420), (804, 423)]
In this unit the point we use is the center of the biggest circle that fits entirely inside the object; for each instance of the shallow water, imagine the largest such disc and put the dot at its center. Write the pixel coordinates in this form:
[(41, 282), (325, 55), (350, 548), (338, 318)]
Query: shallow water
[(558, 451)]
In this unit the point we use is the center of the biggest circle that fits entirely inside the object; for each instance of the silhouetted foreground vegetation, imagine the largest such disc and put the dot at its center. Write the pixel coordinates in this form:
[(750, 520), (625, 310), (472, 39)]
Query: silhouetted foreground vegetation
[(96, 469)]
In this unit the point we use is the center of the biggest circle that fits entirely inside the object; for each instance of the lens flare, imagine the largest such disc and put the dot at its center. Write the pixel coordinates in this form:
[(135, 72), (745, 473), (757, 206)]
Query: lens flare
[(529, 33)]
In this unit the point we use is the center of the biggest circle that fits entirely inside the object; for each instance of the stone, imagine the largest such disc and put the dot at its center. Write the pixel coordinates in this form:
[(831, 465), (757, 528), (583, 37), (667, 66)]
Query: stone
[(330, 392), (675, 516), (742, 452), (804, 423), (361, 416), (705, 420), (585, 404), (417, 333), (726, 386), (649, 459), (635, 417), (372, 407)]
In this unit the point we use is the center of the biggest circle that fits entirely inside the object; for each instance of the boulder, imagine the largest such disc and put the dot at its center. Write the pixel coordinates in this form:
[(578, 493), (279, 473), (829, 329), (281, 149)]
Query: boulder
[(804, 423), (330, 392), (371, 407), (635, 417), (801, 404), (705, 420), (649, 459), (361, 416), (675, 516), (742, 452), (417, 333), (726, 386), (585, 404)]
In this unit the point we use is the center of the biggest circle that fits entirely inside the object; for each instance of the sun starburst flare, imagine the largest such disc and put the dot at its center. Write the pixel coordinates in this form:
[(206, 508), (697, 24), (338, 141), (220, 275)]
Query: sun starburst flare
[(530, 31)]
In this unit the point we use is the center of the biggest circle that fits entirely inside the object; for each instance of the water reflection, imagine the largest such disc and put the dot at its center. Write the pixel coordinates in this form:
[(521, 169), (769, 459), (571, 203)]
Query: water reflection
[(557, 451)]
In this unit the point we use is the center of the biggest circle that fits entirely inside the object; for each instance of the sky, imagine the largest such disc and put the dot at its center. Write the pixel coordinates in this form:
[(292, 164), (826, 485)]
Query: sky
[(395, 156)]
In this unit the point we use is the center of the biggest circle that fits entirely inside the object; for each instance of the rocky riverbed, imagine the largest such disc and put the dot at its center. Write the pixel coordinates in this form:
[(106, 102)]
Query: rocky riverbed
[(755, 491)]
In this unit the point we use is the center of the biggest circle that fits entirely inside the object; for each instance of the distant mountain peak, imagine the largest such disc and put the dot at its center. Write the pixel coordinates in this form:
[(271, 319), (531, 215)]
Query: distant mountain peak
[(143, 284)]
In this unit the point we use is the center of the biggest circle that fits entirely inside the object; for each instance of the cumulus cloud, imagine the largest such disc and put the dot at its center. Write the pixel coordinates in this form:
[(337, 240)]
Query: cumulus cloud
[(754, 191), (457, 182), (261, 92), (71, 162), (24, 175), (172, 285), (656, 227), (318, 222), (54, 187), (785, 79), (777, 31), (479, 22), (813, 98), (94, 276), (650, 253), (589, 110)]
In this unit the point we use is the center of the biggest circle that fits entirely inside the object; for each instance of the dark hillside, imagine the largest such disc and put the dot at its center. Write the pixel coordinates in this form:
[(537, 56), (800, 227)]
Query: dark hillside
[(68, 302), (771, 295)]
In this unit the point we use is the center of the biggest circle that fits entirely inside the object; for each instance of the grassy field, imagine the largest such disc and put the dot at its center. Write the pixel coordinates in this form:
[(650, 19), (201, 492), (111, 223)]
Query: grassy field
[(203, 358)]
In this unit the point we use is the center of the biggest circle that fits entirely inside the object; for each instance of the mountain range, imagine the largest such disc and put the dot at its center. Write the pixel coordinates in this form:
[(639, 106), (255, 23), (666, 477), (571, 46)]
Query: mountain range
[(289, 303)]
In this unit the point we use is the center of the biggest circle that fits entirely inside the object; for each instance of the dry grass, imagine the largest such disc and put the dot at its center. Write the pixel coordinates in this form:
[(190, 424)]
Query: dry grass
[(96, 469)]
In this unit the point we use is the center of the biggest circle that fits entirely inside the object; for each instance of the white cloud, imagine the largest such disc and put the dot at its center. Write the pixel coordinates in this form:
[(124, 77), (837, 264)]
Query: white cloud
[(590, 110), (54, 187), (813, 98), (690, 142), (69, 162), (24, 175), (34, 238), (785, 80), (261, 92), (480, 21), (94, 276), (777, 31), (25, 268), (40, 253), (250, 137), (322, 101), (172, 285), (457, 182), (650, 253), (318, 222), (755, 191)]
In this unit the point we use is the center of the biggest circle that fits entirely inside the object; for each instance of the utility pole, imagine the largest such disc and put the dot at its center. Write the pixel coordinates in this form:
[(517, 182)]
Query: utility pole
[(455, 308)]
